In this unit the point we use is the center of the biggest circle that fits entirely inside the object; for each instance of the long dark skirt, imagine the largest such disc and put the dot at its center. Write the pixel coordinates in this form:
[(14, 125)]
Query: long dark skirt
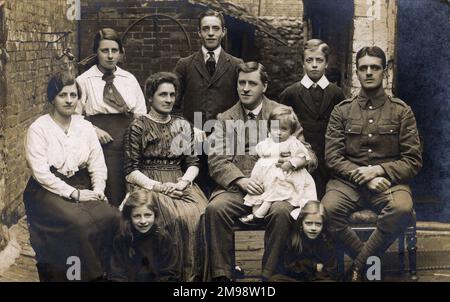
[(115, 125), (60, 228)]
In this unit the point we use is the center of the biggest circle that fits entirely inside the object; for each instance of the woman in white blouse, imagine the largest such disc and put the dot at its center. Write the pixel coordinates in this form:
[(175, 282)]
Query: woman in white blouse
[(111, 98), (64, 199)]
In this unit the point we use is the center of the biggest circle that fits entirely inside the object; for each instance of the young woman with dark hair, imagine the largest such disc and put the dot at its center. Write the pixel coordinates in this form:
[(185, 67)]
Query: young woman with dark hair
[(64, 200), (112, 98)]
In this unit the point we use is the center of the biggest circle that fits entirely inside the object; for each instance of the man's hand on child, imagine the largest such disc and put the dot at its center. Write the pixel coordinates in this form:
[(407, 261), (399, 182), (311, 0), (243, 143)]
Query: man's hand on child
[(297, 162), (319, 267), (250, 186)]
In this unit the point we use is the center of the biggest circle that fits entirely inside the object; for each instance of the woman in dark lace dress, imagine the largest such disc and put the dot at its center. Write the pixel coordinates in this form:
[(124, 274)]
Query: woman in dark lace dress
[(159, 157)]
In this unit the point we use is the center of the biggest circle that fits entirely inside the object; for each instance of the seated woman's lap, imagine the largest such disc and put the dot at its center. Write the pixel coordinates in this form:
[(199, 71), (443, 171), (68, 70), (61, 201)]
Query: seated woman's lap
[(55, 210)]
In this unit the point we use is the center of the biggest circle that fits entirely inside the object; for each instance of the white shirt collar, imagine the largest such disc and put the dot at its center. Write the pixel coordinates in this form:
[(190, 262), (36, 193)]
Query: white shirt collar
[(307, 82), (215, 51), (255, 111), (97, 73)]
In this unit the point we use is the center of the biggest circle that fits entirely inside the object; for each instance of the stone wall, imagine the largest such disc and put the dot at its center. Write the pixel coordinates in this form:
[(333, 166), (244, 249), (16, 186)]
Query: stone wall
[(375, 24), (274, 8), (155, 46), (27, 62), (283, 63)]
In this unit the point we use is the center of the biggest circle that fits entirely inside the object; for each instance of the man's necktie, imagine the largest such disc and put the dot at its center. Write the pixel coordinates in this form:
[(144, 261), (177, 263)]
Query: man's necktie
[(251, 116), (111, 95), (211, 63), (251, 140)]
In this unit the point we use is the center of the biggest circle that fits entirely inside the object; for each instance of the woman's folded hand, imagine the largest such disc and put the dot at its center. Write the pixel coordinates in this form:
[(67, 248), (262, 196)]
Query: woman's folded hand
[(182, 184), (87, 195), (170, 189), (176, 194), (103, 136)]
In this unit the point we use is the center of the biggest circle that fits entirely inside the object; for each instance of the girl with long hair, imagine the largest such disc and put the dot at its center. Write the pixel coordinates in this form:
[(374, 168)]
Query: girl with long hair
[(143, 250)]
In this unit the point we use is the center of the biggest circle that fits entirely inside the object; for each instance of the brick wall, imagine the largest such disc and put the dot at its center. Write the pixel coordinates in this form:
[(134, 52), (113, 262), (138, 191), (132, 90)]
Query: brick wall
[(3, 61), (155, 46), (150, 46), (25, 74)]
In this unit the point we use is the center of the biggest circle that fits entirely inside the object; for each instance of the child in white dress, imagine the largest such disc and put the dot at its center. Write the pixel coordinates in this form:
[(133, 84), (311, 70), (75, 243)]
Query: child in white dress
[(281, 181)]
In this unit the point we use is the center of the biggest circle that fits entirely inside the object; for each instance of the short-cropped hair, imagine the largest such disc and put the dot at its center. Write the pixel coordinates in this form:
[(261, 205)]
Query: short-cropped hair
[(254, 66), (211, 13), (372, 51), (317, 44)]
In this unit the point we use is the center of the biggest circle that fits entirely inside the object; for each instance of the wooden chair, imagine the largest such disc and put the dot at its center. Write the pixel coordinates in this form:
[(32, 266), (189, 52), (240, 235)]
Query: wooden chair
[(365, 221)]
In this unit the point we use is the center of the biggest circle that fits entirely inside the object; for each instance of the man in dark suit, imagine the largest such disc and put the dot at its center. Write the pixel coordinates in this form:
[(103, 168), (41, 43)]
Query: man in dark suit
[(238, 131), (313, 99), (208, 81)]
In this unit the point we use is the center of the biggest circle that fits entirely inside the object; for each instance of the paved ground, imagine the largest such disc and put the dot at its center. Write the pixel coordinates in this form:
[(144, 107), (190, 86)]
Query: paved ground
[(24, 268), (433, 258), (433, 255)]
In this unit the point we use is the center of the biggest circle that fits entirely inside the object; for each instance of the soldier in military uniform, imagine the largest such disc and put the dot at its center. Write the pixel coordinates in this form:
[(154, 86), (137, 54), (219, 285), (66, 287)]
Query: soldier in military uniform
[(372, 148)]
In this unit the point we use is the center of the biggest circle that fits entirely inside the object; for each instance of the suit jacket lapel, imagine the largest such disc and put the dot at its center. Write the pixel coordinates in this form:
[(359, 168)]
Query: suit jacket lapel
[(265, 110), (221, 68), (200, 65), (237, 113), (307, 99)]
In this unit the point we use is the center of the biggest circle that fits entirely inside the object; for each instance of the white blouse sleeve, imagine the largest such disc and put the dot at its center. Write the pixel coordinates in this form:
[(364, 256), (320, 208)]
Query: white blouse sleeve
[(138, 178), (80, 109), (35, 151), (96, 162)]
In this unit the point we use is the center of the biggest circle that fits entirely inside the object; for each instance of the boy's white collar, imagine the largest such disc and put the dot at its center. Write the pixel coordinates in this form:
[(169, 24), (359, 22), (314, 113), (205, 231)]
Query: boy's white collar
[(307, 82)]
